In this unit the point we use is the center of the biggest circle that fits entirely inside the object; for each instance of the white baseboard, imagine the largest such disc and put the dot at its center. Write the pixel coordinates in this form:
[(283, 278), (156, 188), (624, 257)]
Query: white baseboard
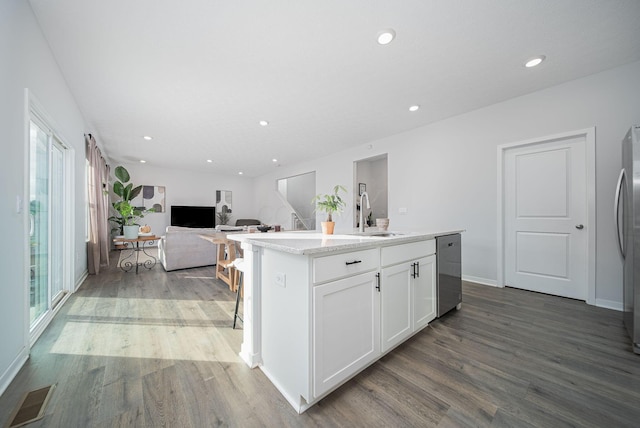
[(13, 369), (609, 304), (80, 280), (479, 280), (252, 360), (601, 303), (296, 402)]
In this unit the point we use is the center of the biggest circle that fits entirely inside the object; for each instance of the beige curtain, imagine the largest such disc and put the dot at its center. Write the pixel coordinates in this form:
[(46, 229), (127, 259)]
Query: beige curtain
[(99, 230)]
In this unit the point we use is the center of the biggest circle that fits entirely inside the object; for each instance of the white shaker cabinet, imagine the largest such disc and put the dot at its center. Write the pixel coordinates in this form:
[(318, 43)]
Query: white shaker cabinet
[(326, 316), (395, 304), (408, 291), (424, 292), (346, 334)]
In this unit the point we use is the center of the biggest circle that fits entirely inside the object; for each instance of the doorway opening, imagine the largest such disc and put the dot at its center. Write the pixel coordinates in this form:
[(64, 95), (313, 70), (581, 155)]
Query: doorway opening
[(296, 193), (371, 176)]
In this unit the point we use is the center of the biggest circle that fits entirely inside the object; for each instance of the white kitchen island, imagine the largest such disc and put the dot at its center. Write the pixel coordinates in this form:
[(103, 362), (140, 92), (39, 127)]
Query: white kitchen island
[(318, 309)]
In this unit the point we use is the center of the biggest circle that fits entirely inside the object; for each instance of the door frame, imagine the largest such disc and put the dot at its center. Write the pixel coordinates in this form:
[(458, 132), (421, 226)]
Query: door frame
[(589, 135), (33, 109)]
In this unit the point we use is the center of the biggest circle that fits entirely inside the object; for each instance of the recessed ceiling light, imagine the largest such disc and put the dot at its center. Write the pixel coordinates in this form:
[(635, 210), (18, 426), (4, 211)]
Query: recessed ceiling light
[(386, 36), (534, 61), (414, 107), (143, 161), (209, 160), (146, 137), (240, 173), (263, 123), (274, 160)]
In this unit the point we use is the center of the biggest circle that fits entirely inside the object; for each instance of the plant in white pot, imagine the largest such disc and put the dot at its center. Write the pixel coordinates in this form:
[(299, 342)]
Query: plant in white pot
[(130, 216), (330, 203), (127, 215)]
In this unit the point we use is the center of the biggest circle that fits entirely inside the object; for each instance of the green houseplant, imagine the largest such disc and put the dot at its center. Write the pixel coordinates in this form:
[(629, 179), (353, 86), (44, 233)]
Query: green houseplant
[(127, 215), (223, 217), (331, 203)]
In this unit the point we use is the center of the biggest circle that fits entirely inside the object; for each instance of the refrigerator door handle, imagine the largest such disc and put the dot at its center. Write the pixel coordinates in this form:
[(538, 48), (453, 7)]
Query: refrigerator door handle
[(621, 179)]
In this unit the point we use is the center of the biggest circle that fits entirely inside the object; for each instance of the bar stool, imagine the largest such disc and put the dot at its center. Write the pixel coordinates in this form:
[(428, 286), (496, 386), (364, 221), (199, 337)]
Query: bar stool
[(238, 265)]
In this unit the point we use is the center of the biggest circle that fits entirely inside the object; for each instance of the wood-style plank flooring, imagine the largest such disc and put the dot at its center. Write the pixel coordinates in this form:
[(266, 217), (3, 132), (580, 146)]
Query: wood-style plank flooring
[(156, 349)]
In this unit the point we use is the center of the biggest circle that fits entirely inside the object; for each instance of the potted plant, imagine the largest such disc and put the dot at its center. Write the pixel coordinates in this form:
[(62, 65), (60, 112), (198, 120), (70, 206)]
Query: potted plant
[(330, 203), (127, 215), (223, 217)]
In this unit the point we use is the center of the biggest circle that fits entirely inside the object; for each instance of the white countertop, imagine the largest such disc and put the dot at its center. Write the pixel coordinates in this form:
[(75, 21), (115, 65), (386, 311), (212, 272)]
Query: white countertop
[(311, 242)]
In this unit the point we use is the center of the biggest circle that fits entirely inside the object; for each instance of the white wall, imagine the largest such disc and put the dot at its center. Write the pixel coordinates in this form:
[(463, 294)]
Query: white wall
[(191, 188), (28, 63), (445, 174)]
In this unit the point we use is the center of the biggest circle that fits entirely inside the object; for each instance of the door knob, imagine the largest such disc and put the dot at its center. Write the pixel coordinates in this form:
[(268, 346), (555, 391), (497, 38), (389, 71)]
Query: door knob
[(579, 226)]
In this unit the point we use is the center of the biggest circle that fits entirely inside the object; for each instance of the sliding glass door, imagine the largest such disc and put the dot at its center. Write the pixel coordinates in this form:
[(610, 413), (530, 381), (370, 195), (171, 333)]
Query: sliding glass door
[(46, 221), (57, 221)]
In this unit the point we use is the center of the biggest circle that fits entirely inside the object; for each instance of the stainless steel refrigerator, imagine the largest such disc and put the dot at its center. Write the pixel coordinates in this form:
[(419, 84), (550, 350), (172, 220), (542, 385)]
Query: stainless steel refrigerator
[(627, 217)]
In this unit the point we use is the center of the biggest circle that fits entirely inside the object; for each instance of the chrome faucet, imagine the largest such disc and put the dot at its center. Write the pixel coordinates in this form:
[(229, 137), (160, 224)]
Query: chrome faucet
[(361, 227)]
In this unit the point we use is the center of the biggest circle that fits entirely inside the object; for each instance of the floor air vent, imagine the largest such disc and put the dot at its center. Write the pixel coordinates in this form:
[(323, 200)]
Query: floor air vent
[(31, 408)]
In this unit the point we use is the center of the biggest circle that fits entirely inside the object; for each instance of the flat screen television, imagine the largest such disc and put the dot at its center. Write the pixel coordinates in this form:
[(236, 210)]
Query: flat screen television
[(190, 216)]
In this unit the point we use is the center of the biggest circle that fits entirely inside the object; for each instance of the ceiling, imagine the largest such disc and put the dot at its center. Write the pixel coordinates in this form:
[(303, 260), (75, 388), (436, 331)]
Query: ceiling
[(199, 75)]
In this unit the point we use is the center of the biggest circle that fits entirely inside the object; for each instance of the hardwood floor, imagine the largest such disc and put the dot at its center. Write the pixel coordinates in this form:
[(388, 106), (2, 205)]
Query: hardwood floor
[(156, 349)]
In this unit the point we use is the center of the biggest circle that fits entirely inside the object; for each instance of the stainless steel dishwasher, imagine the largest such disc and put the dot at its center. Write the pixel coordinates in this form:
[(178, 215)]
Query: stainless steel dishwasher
[(449, 268)]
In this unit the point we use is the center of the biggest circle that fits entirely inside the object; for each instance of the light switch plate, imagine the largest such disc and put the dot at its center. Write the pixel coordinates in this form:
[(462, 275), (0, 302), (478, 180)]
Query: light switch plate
[(402, 210), (281, 279)]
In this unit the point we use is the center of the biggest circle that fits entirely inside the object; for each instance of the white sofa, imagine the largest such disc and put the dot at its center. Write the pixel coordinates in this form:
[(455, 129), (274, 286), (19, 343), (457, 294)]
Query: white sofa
[(182, 248)]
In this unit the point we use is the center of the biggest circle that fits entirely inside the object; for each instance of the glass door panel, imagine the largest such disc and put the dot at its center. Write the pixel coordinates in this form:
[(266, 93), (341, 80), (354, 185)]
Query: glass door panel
[(39, 222), (57, 221)]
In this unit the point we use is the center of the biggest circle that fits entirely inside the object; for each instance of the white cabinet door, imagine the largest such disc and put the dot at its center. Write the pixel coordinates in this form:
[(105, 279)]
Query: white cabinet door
[(407, 299), (545, 213), (346, 329), (424, 292), (395, 301)]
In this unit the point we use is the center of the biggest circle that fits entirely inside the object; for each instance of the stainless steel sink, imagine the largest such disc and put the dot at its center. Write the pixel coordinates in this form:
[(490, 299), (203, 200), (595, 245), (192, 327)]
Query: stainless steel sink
[(386, 234), (378, 234)]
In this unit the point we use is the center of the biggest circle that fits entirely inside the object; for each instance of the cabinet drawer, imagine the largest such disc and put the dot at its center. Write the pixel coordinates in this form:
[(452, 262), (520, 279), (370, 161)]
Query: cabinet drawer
[(404, 252), (345, 264)]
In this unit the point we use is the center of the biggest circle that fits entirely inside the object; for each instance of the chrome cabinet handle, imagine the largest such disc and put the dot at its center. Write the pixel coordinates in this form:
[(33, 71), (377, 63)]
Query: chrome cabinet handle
[(579, 226), (622, 179)]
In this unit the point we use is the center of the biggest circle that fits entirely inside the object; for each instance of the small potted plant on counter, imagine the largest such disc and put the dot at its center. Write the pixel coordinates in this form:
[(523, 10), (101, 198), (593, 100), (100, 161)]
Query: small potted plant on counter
[(330, 203)]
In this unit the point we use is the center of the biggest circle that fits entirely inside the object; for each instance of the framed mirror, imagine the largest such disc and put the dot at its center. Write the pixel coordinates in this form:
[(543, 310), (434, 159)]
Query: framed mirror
[(223, 206)]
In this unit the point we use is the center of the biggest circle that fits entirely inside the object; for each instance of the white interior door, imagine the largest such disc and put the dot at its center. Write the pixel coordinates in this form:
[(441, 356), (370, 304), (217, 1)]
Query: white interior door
[(545, 209)]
